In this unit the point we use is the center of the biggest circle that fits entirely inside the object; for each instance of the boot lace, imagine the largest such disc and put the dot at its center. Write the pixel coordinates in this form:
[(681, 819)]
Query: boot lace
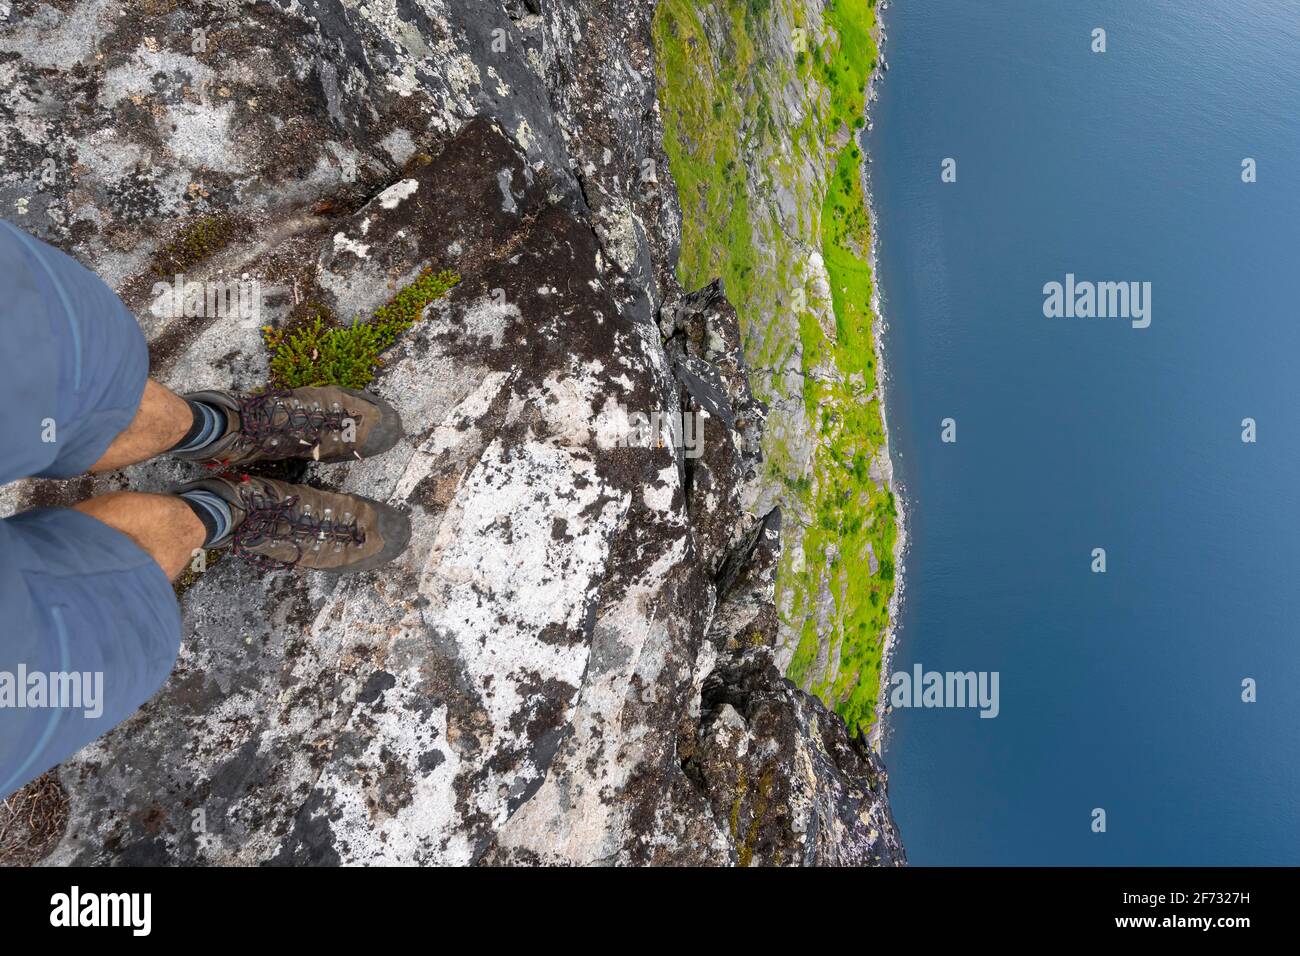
[(260, 428), (274, 520)]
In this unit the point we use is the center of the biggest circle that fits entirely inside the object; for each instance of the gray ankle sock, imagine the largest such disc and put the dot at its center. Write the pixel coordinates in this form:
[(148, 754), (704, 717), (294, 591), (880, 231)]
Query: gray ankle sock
[(209, 425), (213, 510)]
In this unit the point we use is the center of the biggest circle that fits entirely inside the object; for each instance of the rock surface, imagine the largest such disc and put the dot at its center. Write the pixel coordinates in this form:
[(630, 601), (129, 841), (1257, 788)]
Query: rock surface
[(573, 661)]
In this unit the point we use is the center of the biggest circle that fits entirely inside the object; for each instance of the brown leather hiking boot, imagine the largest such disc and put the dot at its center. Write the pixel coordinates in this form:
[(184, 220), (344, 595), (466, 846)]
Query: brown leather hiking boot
[(279, 525), (329, 423)]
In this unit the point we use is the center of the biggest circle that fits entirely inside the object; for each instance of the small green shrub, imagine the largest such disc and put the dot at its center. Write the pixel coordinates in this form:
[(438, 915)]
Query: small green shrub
[(405, 308), (318, 351)]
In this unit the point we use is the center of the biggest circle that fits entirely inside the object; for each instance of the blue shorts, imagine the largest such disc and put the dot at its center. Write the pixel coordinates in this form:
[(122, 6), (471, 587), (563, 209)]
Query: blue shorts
[(92, 628)]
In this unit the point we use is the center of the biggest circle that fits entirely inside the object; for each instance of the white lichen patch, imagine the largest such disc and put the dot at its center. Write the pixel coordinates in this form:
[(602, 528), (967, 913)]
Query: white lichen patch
[(513, 596), (504, 179), (396, 194), (342, 243), (399, 145), (53, 42), (658, 494), (203, 136)]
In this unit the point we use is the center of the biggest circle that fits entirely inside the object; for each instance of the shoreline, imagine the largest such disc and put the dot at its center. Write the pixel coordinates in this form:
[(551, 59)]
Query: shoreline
[(879, 730)]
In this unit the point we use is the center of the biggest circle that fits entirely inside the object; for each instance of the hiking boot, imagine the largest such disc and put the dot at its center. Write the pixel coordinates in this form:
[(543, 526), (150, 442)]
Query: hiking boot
[(328, 423), (279, 525)]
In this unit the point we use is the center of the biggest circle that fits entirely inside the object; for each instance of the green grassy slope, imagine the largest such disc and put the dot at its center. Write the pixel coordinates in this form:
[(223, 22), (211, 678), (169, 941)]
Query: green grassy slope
[(718, 110)]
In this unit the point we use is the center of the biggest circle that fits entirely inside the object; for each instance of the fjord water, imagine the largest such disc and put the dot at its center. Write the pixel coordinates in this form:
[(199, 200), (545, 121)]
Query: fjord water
[(1121, 690)]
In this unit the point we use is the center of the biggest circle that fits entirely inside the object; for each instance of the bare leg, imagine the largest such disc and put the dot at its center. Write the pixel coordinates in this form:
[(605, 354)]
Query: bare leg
[(163, 525), (161, 421)]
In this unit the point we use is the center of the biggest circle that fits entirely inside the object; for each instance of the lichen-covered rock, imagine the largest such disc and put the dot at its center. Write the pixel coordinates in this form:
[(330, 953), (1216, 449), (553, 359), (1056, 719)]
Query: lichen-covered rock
[(566, 664), (778, 766), (724, 421)]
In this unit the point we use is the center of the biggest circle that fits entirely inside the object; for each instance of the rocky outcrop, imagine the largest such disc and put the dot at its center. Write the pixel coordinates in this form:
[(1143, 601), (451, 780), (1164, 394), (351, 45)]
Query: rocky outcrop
[(572, 661)]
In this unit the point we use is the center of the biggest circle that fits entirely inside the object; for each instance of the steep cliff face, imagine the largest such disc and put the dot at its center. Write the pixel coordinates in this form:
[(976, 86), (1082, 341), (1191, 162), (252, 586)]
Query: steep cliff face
[(573, 662)]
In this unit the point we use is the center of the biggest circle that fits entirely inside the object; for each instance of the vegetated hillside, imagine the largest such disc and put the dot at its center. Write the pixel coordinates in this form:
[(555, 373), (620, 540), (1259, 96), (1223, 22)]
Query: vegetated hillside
[(763, 102)]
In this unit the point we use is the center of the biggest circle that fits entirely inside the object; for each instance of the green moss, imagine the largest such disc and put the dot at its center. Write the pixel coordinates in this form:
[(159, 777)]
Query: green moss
[(315, 350), (741, 786), (405, 308), (185, 580), (717, 110), (745, 852), (197, 240)]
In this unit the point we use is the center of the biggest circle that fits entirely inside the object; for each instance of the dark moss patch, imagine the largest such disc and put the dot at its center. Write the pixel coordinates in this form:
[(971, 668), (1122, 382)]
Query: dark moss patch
[(197, 241)]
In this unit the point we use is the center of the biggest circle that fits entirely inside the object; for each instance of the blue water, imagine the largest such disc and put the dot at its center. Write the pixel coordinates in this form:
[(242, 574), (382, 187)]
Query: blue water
[(1119, 690)]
